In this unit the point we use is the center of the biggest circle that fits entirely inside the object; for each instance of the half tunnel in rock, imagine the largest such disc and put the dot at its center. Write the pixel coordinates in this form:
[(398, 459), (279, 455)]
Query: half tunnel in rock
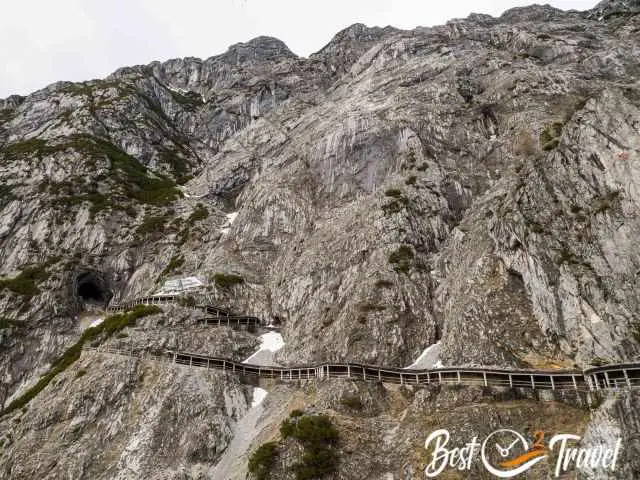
[(92, 287)]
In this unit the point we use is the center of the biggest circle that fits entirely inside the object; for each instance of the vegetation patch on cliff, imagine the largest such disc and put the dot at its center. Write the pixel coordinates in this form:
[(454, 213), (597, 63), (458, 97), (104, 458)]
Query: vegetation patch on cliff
[(175, 263), (550, 136), (9, 323), (226, 280), (101, 332), (178, 165), (26, 282), (402, 258), (199, 213), (398, 202), (262, 460), (318, 437), (152, 224), (136, 181)]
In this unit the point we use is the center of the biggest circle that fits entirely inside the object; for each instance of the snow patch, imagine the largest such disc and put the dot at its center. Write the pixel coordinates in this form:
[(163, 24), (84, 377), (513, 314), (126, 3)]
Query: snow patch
[(259, 394), (270, 343), (231, 217), (430, 358), (179, 90), (96, 322)]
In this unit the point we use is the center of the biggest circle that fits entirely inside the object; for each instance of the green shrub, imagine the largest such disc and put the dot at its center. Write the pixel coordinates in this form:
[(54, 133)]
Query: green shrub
[(318, 438), (401, 258), (287, 428), (393, 192), (183, 236), (188, 301), (296, 413), (98, 201), (199, 213), (175, 263), (179, 166), (396, 205), (262, 460), (551, 145), (353, 402), (606, 202), (189, 100), (370, 307), (81, 373), (26, 283), (6, 195), (381, 283), (9, 323), (411, 180), (550, 136), (535, 227), (152, 224), (82, 88), (32, 147), (106, 329), (226, 280)]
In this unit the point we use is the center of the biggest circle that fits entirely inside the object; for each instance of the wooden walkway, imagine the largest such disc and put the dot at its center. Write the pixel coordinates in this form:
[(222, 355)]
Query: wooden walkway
[(614, 377), (609, 377), (213, 315)]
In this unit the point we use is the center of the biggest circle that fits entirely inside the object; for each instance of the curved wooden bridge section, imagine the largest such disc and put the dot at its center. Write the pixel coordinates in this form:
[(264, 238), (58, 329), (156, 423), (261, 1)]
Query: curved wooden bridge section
[(602, 378)]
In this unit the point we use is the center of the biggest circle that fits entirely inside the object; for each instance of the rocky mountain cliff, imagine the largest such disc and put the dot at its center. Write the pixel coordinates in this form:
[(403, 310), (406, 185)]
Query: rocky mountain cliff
[(473, 186)]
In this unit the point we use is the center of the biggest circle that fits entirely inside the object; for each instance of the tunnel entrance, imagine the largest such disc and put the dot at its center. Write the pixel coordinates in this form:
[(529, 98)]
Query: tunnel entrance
[(91, 287)]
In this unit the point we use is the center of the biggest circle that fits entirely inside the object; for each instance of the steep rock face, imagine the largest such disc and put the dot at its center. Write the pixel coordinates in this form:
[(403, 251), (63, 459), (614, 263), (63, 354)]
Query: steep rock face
[(616, 418)]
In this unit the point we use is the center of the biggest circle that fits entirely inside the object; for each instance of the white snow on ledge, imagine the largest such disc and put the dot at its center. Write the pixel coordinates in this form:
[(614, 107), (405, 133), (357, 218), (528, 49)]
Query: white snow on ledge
[(259, 394), (430, 358), (96, 322), (230, 219), (271, 342)]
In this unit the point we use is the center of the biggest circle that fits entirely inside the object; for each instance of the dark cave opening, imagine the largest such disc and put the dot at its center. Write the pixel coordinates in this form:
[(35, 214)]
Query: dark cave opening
[(91, 287)]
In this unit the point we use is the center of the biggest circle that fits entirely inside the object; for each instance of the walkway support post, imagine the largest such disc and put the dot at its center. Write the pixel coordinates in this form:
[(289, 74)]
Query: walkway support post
[(626, 378)]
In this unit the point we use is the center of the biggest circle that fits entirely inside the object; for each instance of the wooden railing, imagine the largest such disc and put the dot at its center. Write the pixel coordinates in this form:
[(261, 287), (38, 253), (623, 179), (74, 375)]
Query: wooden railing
[(609, 377), (213, 315)]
